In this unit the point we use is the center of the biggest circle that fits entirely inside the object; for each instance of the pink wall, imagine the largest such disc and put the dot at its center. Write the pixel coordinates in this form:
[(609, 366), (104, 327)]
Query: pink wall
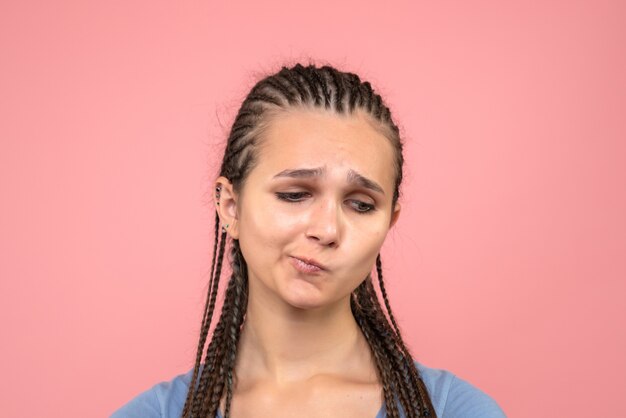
[(507, 266)]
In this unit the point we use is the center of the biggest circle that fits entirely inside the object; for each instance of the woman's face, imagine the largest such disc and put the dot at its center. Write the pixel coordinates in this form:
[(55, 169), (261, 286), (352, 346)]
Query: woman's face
[(315, 210)]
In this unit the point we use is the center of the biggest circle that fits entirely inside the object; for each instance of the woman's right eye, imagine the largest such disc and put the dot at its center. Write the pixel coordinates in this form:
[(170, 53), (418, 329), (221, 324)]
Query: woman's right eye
[(291, 196)]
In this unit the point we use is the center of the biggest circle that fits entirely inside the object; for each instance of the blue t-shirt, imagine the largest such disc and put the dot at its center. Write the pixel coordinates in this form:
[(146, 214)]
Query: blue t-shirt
[(451, 397)]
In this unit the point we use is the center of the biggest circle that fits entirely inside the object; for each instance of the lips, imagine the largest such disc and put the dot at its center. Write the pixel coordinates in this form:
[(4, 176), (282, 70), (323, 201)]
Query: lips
[(307, 265)]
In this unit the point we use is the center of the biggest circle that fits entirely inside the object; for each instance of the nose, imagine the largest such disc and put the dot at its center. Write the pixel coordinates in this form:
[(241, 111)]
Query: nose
[(323, 225)]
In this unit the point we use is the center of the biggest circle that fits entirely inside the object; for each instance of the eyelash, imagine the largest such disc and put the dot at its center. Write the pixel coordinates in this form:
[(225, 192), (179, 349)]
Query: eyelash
[(293, 197)]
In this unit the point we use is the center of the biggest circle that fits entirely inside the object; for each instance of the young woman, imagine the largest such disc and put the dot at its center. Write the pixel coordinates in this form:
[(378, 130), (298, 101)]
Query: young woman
[(308, 190)]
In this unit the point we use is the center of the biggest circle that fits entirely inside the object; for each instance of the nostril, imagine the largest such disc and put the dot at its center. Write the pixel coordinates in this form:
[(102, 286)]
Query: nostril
[(327, 241), (323, 225)]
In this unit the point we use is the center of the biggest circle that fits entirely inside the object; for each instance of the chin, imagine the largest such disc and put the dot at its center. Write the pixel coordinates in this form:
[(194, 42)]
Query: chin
[(304, 303), (306, 306), (305, 299)]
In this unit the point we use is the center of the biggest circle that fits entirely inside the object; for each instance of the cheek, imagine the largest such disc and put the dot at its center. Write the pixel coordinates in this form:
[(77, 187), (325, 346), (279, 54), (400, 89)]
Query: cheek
[(366, 246), (264, 230), (371, 234)]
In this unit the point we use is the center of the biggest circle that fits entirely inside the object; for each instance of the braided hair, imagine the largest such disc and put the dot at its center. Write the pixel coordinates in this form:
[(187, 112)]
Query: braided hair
[(343, 93)]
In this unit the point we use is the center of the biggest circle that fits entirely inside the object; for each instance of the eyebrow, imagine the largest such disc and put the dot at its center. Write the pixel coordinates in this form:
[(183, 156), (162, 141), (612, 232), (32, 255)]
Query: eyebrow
[(353, 177)]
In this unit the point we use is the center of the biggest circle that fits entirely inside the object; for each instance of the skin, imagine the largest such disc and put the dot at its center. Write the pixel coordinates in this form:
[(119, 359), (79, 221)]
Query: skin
[(301, 352)]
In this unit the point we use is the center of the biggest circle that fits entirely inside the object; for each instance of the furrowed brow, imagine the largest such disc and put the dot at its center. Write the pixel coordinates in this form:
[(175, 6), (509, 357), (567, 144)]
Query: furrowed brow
[(301, 173), (354, 177)]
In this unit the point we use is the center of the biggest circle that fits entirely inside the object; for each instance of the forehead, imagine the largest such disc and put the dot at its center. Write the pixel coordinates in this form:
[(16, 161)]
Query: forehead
[(301, 138)]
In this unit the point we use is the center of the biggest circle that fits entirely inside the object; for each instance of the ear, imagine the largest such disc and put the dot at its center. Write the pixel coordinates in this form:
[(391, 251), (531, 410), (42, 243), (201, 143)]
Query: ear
[(394, 215), (226, 206)]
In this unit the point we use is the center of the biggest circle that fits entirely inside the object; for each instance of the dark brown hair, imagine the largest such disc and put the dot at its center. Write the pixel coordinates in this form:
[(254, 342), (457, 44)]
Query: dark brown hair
[(343, 93)]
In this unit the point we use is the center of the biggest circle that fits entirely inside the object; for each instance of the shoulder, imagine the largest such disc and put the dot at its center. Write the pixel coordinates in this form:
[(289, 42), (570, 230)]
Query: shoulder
[(453, 397), (163, 400)]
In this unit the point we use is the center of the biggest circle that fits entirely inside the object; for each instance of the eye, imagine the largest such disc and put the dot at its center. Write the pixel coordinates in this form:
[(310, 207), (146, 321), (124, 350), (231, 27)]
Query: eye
[(363, 207), (291, 196), (296, 197)]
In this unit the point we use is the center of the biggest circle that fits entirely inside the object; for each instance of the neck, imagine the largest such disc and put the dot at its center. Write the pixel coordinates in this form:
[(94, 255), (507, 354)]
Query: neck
[(285, 344)]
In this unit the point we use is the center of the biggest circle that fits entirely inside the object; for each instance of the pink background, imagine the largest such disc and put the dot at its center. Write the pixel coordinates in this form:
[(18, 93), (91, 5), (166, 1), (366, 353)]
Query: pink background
[(507, 266)]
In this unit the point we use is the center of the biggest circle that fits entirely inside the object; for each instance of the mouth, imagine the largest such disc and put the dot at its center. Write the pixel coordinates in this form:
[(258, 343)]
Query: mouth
[(307, 265)]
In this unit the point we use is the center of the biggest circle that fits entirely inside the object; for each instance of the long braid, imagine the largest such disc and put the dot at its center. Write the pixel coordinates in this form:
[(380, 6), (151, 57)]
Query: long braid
[(413, 379), (209, 307), (341, 92), (383, 366), (416, 379), (212, 379), (396, 329), (240, 303), (219, 362), (218, 377), (220, 358), (379, 325)]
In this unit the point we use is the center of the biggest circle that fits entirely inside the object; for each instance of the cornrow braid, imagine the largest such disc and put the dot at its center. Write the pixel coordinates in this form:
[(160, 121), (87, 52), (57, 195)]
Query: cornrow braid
[(210, 304), (213, 374), (402, 377), (216, 375), (376, 344), (416, 378)]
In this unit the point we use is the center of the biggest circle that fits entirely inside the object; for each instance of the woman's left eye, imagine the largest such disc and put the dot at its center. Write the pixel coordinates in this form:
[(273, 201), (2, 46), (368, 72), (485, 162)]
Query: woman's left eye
[(295, 197), (363, 207)]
